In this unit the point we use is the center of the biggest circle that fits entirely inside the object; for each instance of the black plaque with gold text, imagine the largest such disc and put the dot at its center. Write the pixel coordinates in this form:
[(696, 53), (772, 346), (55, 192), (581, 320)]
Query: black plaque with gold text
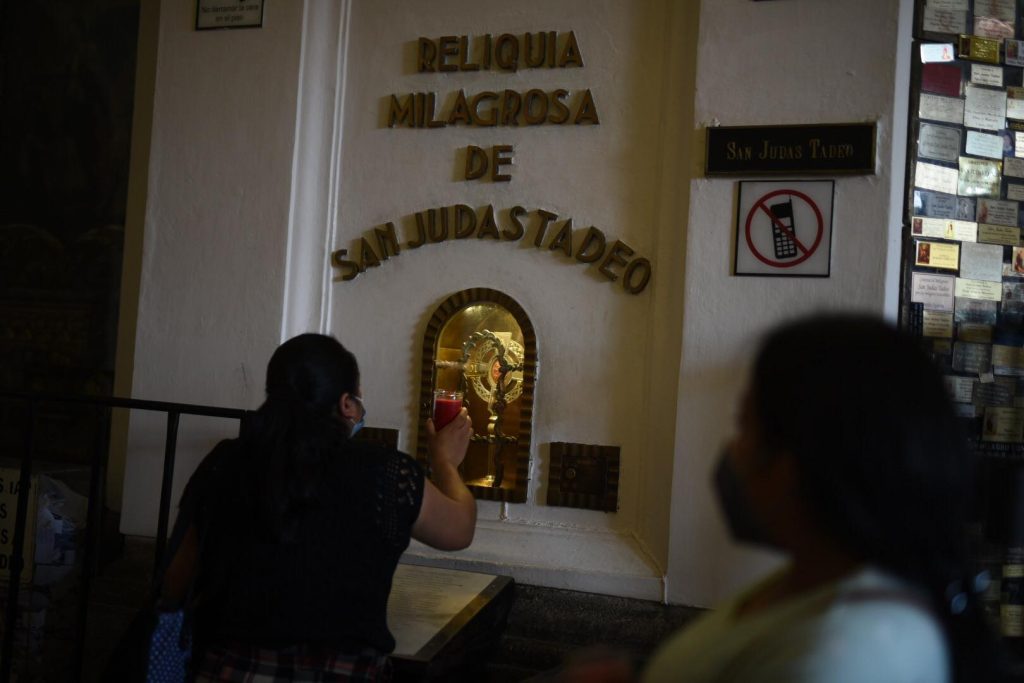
[(812, 149)]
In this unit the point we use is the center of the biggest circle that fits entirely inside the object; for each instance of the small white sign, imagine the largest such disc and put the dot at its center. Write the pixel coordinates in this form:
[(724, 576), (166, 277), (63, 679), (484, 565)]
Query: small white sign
[(931, 52), (985, 108), (986, 74), (981, 262), (934, 177), (949, 5), (934, 291), (784, 228), (943, 142), (984, 144), (9, 480), (998, 211), (1013, 167), (939, 108), (214, 14), (944, 21)]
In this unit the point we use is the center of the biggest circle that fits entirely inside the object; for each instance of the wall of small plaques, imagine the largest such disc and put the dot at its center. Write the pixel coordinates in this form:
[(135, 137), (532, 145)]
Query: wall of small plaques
[(963, 260)]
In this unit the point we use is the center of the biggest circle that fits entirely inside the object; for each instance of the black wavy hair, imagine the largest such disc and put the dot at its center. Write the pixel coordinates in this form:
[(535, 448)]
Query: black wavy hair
[(882, 459), (297, 429)]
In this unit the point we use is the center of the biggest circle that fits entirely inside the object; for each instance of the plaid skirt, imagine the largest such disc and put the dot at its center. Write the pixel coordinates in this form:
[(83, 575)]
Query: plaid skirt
[(242, 663)]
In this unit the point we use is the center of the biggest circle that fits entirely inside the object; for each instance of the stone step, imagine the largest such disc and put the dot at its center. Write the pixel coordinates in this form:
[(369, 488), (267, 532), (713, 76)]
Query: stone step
[(570, 619)]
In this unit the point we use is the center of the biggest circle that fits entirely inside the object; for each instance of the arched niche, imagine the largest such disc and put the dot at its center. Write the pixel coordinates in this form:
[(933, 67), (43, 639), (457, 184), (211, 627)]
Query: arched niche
[(474, 338)]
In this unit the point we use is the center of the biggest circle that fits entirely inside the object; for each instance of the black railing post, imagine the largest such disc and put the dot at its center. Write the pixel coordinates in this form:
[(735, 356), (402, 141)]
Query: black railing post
[(93, 532), (96, 501), (170, 446), (17, 552)]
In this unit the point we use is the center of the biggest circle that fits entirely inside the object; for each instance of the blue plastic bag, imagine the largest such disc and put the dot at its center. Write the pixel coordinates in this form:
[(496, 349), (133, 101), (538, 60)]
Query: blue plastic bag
[(170, 648)]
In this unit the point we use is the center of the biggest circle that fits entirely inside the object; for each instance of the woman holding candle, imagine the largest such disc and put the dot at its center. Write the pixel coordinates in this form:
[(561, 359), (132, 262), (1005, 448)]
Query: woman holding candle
[(294, 529)]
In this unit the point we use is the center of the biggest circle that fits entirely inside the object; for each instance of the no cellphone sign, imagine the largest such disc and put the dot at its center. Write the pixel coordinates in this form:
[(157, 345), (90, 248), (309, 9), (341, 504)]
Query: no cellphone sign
[(784, 228)]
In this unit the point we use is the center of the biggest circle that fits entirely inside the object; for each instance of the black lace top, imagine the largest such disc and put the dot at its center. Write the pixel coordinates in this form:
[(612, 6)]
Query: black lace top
[(330, 586)]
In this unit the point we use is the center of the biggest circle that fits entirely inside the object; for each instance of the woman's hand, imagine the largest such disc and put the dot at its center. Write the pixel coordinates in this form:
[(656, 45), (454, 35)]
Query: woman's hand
[(449, 445), (447, 518)]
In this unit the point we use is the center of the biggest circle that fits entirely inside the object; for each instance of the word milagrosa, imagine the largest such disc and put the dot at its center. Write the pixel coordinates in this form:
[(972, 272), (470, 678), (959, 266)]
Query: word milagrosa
[(490, 108), (616, 261)]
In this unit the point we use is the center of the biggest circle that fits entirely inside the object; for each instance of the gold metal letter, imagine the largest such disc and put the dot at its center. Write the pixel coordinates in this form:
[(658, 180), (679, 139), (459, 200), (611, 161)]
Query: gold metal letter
[(510, 103), (587, 113), (563, 240), (499, 160), (557, 105), (387, 240), (419, 108), (617, 256), (507, 59), (433, 122), (437, 230), (465, 221), (488, 228), (427, 53), (448, 46), (368, 255), (399, 113), (571, 53), (517, 233), (594, 239), (350, 269), (464, 55), (627, 277), (487, 51), (476, 162), (535, 117), (474, 109), (460, 110), (421, 232), (534, 61), (545, 218)]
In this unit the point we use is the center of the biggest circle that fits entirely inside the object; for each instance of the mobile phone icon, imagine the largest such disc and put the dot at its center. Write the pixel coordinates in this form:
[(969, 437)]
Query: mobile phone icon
[(784, 241)]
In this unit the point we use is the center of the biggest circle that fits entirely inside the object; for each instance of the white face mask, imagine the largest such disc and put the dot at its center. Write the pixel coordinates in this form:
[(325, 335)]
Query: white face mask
[(356, 426)]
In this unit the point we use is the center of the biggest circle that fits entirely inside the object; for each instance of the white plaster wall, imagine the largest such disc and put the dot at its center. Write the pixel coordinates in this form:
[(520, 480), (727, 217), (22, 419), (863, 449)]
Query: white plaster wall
[(229, 196), (135, 222), (246, 169), (802, 61), (596, 355), (214, 243)]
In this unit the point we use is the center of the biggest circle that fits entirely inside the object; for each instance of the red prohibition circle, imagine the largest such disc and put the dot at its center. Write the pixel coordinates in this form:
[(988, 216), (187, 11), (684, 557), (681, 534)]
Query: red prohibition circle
[(760, 204)]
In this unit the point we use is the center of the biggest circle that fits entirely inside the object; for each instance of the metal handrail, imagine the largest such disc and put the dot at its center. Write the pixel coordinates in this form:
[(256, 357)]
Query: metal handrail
[(94, 513)]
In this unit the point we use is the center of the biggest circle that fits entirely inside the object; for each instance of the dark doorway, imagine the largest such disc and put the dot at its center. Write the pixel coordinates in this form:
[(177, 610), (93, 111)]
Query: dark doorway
[(67, 72)]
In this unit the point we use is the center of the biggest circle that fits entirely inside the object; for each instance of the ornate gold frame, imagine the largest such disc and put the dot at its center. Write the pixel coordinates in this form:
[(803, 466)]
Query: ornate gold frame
[(448, 308)]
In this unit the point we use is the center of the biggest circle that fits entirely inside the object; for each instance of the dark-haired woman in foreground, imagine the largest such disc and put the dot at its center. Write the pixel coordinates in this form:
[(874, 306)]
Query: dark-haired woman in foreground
[(295, 529), (847, 459)]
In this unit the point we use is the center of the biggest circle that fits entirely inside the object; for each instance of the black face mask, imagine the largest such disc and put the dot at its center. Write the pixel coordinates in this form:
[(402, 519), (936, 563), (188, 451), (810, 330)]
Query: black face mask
[(732, 498)]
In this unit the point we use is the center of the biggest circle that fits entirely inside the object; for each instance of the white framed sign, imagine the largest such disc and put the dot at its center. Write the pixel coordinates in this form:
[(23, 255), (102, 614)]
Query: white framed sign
[(784, 228), (216, 14)]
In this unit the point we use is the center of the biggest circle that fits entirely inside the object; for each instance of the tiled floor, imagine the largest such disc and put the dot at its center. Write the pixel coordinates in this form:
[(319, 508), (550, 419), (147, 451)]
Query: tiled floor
[(544, 626)]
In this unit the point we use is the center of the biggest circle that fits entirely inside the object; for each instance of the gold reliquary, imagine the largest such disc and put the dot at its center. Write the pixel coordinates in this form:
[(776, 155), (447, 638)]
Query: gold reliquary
[(480, 347)]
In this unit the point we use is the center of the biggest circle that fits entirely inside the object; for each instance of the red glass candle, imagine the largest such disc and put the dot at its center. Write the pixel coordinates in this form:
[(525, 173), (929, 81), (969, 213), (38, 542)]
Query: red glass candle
[(447, 405)]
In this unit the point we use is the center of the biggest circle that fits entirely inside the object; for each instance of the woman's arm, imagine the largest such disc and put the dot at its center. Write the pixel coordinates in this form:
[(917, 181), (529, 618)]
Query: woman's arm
[(447, 518), (182, 570)]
